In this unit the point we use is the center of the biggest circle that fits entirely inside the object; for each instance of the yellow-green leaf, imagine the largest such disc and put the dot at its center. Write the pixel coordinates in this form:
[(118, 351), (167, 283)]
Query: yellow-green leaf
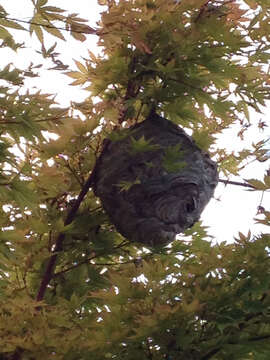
[(81, 67), (257, 184)]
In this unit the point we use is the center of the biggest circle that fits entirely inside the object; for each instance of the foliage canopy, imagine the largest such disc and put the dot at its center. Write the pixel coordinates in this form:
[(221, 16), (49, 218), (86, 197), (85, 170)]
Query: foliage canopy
[(71, 287)]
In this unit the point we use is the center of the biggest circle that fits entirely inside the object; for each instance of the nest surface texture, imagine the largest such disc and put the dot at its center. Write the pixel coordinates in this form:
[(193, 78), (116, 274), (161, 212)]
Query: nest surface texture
[(156, 191)]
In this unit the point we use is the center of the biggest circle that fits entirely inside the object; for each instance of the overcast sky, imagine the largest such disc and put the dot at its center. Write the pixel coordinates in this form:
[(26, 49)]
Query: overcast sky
[(235, 208)]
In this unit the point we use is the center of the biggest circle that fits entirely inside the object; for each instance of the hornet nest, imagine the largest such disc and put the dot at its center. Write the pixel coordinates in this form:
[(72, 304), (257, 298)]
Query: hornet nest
[(153, 181)]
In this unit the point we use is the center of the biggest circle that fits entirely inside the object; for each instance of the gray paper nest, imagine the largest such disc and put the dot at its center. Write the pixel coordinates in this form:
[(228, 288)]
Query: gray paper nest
[(169, 184)]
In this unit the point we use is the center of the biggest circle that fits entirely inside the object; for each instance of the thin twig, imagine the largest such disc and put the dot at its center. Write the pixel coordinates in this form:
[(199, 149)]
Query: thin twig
[(139, 113), (55, 119), (130, 92), (73, 172), (202, 9), (210, 354), (261, 198), (74, 266), (228, 182), (88, 29), (86, 261), (259, 338)]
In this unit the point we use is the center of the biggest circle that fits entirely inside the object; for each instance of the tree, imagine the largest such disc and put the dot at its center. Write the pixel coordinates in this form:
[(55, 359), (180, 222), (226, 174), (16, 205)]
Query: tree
[(71, 286)]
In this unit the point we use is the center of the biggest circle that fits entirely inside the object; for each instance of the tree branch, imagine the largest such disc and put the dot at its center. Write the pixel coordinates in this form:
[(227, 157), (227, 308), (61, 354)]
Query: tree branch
[(210, 354), (226, 182), (87, 29), (55, 119), (131, 90), (259, 338), (86, 261), (73, 172), (59, 242)]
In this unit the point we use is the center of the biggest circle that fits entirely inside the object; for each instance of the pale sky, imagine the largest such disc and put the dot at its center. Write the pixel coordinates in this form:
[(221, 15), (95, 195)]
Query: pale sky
[(236, 207)]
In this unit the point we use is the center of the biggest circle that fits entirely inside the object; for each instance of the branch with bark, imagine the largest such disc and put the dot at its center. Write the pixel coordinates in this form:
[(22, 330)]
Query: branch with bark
[(49, 272)]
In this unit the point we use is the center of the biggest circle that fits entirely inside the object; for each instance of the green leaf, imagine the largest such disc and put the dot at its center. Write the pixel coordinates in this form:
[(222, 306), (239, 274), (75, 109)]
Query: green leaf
[(52, 9), (126, 185), (41, 3), (172, 159), (38, 31), (11, 24), (54, 31), (4, 34), (142, 145), (203, 139), (257, 184), (266, 180), (81, 67)]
